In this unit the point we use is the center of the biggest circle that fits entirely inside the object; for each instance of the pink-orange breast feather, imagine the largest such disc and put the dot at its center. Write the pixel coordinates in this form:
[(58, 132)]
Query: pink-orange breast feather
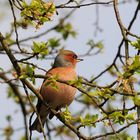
[(64, 95)]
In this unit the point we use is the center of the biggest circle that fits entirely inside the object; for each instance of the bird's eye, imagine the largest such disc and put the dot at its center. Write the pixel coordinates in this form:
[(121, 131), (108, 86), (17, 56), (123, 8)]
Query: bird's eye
[(75, 56)]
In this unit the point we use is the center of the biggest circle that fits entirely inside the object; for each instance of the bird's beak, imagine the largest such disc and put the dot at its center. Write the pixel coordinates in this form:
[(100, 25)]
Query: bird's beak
[(79, 59)]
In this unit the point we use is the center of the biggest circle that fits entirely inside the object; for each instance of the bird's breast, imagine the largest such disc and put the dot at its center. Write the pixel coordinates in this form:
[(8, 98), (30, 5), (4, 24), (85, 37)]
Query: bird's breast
[(59, 94)]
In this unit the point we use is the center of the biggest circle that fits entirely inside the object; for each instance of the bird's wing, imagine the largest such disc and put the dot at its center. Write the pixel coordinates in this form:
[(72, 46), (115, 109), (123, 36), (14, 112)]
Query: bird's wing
[(39, 102)]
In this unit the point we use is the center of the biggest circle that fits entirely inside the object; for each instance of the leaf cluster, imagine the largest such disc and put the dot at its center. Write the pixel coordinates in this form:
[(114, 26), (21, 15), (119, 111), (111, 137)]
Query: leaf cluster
[(66, 30), (89, 120), (38, 11), (40, 48), (133, 68), (120, 117), (28, 72)]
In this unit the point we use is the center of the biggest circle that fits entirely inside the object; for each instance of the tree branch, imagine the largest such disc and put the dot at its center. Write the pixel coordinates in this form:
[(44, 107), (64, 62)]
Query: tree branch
[(83, 5)]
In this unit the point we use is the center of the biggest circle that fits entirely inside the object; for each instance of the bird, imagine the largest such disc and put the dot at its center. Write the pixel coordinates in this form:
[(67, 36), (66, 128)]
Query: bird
[(64, 68)]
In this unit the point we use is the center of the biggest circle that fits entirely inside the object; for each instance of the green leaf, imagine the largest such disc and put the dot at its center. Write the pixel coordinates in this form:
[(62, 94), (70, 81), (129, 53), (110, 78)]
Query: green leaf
[(136, 44), (131, 116), (66, 30), (130, 138), (53, 42), (121, 120), (23, 76), (30, 70), (89, 119), (40, 48), (52, 81), (1, 69), (8, 118), (76, 82), (38, 11), (118, 117), (12, 95), (67, 114), (136, 100), (81, 119), (133, 68), (98, 45), (122, 136)]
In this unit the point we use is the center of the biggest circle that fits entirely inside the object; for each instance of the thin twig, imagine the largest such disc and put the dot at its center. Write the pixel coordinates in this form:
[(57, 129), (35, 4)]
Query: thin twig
[(112, 133), (83, 5), (122, 28), (35, 110), (15, 25)]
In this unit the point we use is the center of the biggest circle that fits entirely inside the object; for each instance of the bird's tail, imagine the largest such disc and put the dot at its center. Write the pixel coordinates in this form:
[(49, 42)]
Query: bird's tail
[(43, 116), (36, 124)]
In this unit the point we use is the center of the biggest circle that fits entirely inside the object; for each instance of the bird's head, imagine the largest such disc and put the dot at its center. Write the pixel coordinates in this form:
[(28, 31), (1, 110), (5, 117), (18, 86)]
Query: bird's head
[(66, 58)]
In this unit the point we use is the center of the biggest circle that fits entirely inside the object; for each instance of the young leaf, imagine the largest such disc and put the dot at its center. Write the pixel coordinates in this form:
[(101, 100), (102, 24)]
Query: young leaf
[(1, 69), (66, 30), (89, 119), (136, 100), (136, 44), (53, 42), (38, 11), (40, 48)]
